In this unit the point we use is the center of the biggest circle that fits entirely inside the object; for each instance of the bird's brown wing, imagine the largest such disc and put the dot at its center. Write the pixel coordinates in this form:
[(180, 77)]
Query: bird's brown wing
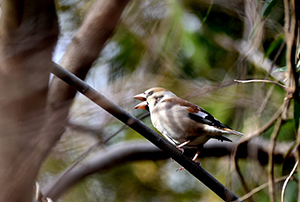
[(199, 115), (196, 113)]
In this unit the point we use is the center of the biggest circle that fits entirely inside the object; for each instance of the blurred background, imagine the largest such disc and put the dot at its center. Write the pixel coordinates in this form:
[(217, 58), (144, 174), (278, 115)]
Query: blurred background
[(195, 48)]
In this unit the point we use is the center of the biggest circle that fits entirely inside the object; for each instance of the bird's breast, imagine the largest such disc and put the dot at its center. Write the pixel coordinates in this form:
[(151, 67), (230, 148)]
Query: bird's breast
[(174, 123)]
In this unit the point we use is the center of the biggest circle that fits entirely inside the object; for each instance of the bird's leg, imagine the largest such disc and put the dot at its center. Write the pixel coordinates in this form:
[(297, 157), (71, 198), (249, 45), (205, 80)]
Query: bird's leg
[(194, 159), (200, 147), (196, 155), (182, 144)]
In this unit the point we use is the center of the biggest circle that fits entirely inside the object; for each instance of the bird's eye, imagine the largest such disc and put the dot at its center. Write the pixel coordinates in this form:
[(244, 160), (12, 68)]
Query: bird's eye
[(150, 93)]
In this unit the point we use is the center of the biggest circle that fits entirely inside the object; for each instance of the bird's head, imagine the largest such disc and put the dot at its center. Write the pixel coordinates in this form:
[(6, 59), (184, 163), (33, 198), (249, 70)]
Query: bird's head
[(153, 96)]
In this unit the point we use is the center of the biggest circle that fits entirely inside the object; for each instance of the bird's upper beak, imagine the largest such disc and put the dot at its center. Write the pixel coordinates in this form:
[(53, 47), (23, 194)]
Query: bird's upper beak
[(141, 97)]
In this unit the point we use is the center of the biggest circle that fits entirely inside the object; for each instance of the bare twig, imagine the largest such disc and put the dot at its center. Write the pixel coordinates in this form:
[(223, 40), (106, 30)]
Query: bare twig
[(297, 157), (275, 58), (291, 9), (238, 171), (246, 49), (246, 139), (124, 127), (271, 160), (262, 81), (87, 152), (138, 150), (265, 101), (261, 187), (287, 180)]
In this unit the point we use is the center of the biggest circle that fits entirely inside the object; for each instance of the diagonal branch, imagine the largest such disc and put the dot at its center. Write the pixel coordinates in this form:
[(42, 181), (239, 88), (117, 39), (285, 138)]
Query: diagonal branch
[(141, 128), (118, 154)]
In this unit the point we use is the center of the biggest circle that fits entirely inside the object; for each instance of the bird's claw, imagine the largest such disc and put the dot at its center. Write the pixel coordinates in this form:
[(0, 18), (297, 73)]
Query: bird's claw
[(179, 169), (198, 163), (182, 168), (182, 150)]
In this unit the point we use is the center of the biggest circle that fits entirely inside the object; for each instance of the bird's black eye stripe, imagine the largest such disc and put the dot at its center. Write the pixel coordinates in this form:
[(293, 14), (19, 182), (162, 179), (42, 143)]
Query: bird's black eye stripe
[(157, 99)]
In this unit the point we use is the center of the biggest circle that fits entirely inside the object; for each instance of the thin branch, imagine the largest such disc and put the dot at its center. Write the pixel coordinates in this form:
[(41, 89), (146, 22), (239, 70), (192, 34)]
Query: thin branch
[(92, 148), (261, 187), (265, 101), (271, 160), (238, 171), (246, 49), (246, 139), (275, 59), (291, 9), (141, 128), (287, 180), (262, 81), (297, 157), (121, 153), (141, 117)]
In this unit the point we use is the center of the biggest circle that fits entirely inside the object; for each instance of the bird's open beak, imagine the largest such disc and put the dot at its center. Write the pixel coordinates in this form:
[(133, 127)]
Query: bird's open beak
[(142, 98)]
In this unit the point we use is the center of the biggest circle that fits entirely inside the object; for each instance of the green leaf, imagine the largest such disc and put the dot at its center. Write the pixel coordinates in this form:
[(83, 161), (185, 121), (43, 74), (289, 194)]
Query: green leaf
[(281, 69), (269, 8), (284, 69)]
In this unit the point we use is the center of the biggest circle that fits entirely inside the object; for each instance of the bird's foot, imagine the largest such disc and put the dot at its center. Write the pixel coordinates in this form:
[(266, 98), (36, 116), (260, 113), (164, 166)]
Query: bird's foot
[(182, 168), (199, 163), (179, 169)]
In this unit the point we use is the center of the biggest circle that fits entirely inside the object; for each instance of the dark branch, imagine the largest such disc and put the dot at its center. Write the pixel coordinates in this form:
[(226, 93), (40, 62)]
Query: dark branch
[(141, 128), (129, 151)]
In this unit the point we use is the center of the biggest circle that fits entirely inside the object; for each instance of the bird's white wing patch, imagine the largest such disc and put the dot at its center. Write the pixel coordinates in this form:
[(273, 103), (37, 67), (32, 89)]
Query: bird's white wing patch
[(215, 131), (201, 114)]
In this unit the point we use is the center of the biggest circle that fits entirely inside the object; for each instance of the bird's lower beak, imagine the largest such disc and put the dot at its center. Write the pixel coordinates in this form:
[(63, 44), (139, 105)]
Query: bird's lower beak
[(140, 97), (142, 105)]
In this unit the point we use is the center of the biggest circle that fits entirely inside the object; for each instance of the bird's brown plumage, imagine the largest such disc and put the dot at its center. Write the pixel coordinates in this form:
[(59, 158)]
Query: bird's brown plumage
[(182, 122)]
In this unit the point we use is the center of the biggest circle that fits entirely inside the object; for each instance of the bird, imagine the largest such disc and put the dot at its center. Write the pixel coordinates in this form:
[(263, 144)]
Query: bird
[(181, 122)]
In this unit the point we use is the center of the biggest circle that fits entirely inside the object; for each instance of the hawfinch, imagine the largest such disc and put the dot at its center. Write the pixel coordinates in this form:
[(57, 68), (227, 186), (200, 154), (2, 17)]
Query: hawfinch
[(181, 122)]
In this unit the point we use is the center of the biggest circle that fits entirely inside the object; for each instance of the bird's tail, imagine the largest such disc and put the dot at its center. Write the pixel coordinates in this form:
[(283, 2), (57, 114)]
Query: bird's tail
[(234, 132)]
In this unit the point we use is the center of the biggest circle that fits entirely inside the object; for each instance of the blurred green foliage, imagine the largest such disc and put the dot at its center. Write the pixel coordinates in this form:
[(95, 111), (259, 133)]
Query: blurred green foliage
[(193, 48)]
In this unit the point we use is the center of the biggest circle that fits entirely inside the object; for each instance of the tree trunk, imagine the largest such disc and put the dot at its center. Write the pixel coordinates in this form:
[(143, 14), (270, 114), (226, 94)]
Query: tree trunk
[(28, 32)]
